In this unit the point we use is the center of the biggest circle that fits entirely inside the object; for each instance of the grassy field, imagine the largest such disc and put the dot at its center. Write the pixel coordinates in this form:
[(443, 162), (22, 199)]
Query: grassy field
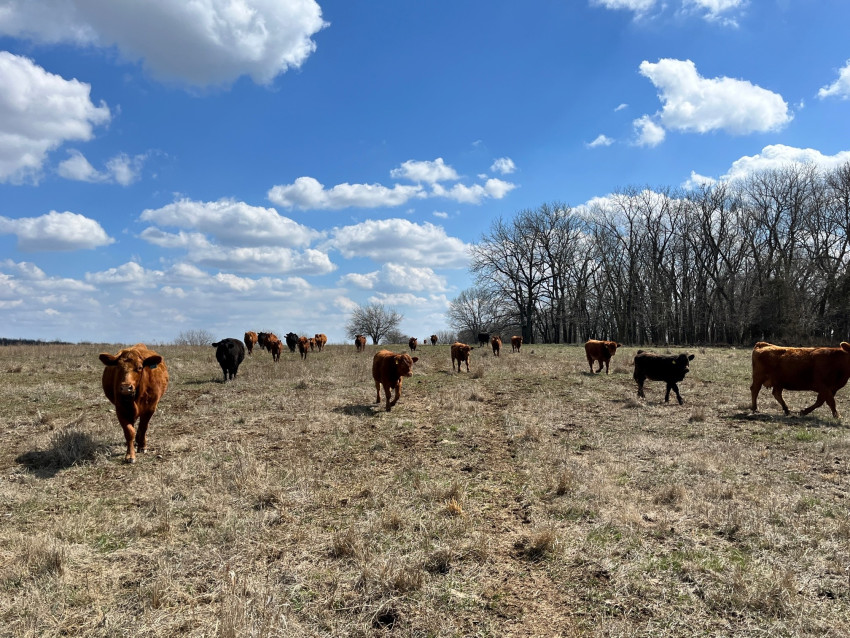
[(525, 498)]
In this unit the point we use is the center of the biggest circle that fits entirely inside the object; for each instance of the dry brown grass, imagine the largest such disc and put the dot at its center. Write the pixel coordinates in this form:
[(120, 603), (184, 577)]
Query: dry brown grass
[(527, 498)]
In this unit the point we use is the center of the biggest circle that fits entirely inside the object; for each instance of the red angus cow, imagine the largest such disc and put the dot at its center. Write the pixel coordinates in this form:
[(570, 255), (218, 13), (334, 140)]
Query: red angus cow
[(275, 346), (496, 342), (821, 370), (263, 339), (320, 339), (460, 352), (303, 346), (433, 340), (250, 341), (360, 343), (134, 380), (516, 343), (661, 367), (600, 351), (388, 370), (411, 343)]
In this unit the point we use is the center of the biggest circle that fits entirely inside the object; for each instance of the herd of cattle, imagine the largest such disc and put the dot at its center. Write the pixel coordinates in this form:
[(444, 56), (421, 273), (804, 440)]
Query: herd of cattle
[(135, 378)]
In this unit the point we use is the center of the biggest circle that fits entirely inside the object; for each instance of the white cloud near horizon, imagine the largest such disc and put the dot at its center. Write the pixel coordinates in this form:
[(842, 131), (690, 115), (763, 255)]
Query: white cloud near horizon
[(121, 169), (393, 276), (841, 87), (40, 111), (56, 232), (778, 156), (201, 43), (694, 104)]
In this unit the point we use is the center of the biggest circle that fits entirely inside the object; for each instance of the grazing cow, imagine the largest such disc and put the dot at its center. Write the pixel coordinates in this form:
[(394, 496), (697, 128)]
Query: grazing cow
[(821, 370), (483, 338), (496, 342), (516, 343), (360, 343), (669, 368), (433, 340), (291, 341), (600, 351), (250, 341), (460, 352), (411, 343), (134, 380), (303, 346), (229, 353), (321, 339), (388, 369), (275, 346)]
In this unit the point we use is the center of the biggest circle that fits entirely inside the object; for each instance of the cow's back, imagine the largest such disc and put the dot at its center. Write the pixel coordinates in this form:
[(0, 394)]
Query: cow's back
[(800, 368)]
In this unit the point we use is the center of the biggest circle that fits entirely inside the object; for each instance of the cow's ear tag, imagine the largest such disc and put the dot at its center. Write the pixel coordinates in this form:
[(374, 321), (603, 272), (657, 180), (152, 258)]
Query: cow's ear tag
[(153, 366)]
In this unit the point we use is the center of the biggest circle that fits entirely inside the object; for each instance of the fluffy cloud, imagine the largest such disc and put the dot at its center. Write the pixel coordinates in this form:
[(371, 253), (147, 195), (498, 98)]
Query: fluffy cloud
[(777, 156), (398, 277), (232, 223), (601, 140), (716, 10), (400, 241), (647, 132), (205, 42), (39, 111), (121, 169), (493, 188), (503, 165), (638, 6), (308, 193), (695, 104), (55, 232), (841, 87), (425, 171)]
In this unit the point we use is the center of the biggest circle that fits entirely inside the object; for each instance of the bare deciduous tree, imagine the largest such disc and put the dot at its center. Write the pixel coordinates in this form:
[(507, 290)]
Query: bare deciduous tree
[(374, 320)]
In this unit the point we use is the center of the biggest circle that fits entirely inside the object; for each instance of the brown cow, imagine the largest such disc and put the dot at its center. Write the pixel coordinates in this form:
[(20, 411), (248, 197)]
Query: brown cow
[(275, 346), (516, 343), (460, 352), (250, 341), (496, 342), (411, 343), (134, 380), (321, 339), (821, 370), (303, 346), (600, 351), (263, 339), (360, 343), (388, 369), (433, 340)]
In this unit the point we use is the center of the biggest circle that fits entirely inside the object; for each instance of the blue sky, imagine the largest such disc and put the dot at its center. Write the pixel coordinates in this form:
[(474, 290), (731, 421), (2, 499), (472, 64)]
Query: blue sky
[(229, 165)]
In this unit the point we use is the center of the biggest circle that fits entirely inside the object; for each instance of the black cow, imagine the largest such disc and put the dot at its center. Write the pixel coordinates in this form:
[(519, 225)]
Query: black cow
[(669, 368), (229, 353), (483, 338), (291, 341)]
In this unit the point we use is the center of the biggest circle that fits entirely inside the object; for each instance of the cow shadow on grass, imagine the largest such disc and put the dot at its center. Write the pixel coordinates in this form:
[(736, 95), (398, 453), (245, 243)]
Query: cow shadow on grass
[(68, 448), (793, 419), (358, 409)]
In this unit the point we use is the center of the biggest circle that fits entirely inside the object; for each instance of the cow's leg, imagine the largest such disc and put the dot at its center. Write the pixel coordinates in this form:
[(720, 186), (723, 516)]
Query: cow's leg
[(467, 366), (397, 394), (755, 388), (675, 387), (606, 367), (590, 363), (827, 396), (777, 394), (130, 438), (142, 431), (378, 389), (640, 381)]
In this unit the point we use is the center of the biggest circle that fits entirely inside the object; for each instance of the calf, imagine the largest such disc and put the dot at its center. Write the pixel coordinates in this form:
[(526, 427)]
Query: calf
[(229, 353), (821, 370), (250, 341), (134, 381), (360, 343), (275, 346), (496, 342), (303, 346), (291, 340), (388, 369), (600, 351), (460, 352), (321, 339), (669, 368), (516, 343), (411, 343)]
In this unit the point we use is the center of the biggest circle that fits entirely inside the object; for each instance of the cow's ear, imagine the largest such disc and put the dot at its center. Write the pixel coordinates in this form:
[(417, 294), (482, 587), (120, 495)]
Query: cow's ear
[(415, 359), (845, 346), (152, 362), (690, 357), (108, 359)]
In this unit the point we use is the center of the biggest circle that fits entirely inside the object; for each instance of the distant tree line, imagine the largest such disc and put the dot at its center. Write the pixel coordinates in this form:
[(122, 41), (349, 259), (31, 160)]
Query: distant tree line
[(5, 341), (761, 258)]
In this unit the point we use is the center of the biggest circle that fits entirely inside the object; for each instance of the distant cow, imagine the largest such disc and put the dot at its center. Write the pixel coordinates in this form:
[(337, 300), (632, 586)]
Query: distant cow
[(134, 380), (496, 343), (263, 339), (250, 341), (229, 353), (821, 370), (411, 343), (291, 340), (303, 346), (669, 368), (600, 351), (388, 369), (460, 352), (433, 340), (275, 346), (483, 338), (360, 343), (321, 339), (516, 343)]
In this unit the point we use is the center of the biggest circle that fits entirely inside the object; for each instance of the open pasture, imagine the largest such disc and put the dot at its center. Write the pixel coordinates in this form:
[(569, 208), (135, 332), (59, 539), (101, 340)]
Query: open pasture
[(524, 498)]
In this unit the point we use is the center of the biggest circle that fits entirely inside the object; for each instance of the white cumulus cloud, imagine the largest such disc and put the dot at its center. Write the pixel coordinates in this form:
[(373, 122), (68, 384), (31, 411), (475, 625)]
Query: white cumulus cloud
[(638, 6), (503, 165), (39, 111), (777, 156), (600, 140), (55, 232), (425, 171), (121, 169), (717, 10), (203, 42), (398, 277), (648, 133), (841, 87), (309, 193)]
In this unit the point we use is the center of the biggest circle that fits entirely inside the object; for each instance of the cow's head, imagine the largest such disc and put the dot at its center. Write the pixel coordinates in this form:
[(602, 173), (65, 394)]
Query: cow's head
[(612, 347), (681, 363), (464, 351), (130, 366), (404, 364)]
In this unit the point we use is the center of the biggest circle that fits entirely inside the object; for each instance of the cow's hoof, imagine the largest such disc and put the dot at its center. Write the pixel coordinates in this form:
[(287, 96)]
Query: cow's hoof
[(129, 459)]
